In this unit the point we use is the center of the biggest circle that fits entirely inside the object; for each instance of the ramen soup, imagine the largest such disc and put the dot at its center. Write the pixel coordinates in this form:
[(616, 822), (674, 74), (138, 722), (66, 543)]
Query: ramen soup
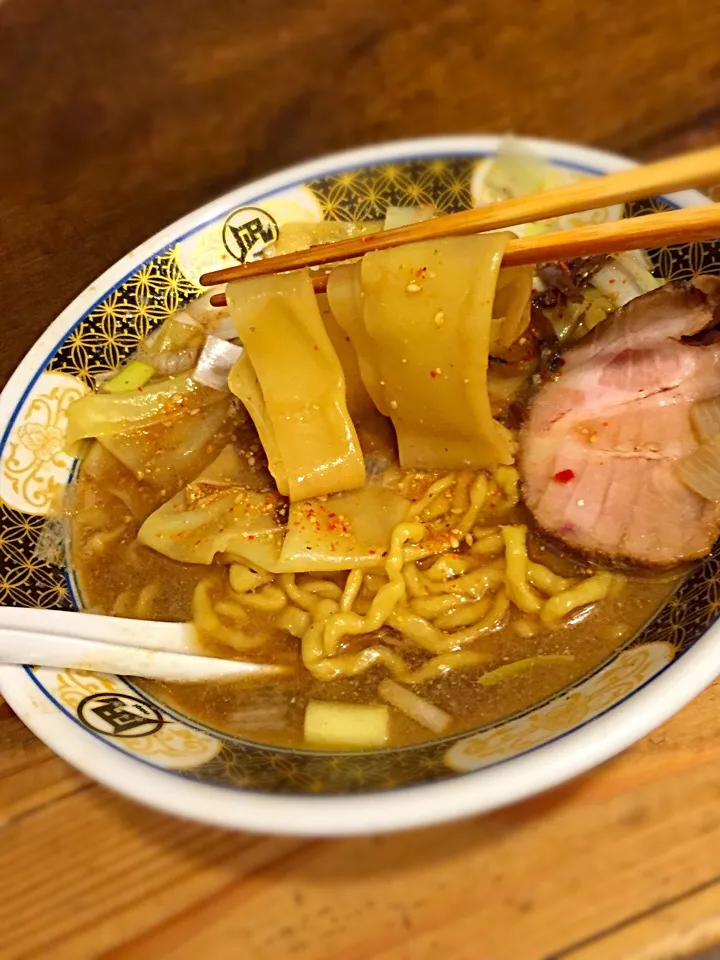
[(435, 495)]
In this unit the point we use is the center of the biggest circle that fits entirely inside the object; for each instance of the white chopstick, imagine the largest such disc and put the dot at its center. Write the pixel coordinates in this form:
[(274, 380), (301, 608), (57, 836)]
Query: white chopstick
[(154, 650), (42, 650)]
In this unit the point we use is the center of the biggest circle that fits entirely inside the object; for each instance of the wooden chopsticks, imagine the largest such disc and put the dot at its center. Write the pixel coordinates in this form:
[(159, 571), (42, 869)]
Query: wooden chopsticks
[(692, 169), (653, 230)]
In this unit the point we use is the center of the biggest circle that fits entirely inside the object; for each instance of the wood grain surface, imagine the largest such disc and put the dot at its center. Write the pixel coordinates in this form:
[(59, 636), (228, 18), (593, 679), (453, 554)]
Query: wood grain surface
[(115, 119)]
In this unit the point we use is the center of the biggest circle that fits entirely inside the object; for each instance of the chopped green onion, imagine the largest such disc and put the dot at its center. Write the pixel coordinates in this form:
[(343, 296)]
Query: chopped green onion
[(415, 707), (346, 725), (133, 376), (520, 666)]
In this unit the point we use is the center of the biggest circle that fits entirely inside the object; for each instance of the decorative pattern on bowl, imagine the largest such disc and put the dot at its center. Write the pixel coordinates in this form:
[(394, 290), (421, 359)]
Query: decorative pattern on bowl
[(33, 471)]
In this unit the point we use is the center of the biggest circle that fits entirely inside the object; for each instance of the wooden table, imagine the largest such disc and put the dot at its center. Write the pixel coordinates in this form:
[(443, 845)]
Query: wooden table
[(116, 118)]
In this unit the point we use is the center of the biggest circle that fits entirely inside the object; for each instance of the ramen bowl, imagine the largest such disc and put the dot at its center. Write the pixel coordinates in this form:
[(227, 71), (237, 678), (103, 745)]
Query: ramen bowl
[(114, 731)]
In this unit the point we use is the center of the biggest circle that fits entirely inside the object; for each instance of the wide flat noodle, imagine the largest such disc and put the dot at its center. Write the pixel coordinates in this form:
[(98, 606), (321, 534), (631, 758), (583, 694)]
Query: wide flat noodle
[(222, 511), (301, 383), (359, 403), (345, 298), (342, 532), (231, 509), (428, 312), (243, 382)]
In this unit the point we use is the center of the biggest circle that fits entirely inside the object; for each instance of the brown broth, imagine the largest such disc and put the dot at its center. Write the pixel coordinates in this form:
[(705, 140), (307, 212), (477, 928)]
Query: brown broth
[(107, 508)]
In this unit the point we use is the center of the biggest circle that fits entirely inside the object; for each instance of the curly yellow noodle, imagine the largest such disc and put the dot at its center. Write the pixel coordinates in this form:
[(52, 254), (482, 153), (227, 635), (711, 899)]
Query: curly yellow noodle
[(268, 599), (436, 606), (508, 481), (231, 610), (489, 545), (509, 670), (207, 622), (462, 660), (461, 495), (472, 585), (545, 580), (478, 494), (146, 599), (323, 588), (123, 604), (301, 598), (100, 541), (430, 549), (526, 627), (433, 492), (414, 581), (384, 601), (516, 559), (242, 579), (312, 642), (353, 585), (352, 664), (439, 508), (294, 620), (425, 635), (587, 591), (449, 565), (464, 615)]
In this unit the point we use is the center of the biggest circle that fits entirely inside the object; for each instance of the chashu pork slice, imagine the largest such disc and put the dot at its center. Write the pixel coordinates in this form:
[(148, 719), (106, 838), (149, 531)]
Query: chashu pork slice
[(600, 448)]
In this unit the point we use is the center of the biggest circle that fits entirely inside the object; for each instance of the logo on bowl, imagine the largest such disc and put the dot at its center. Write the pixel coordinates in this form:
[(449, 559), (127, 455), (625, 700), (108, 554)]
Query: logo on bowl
[(119, 715), (247, 231)]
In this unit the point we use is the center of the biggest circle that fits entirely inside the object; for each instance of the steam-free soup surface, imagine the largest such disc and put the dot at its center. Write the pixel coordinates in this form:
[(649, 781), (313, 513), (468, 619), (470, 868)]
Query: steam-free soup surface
[(119, 576)]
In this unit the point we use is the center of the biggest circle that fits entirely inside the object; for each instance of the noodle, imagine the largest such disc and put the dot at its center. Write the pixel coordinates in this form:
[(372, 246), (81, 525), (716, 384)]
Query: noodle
[(433, 492), (448, 566), (294, 620), (587, 591), (545, 580), (303, 598), (145, 600), (478, 493), (323, 588), (207, 622), (431, 607), (521, 593), (463, 616), (414, 581), (488, 546), (385, 600), (461, 497), (243, 579), (269, 599), (353, 585), (363, 510), (456, 601)]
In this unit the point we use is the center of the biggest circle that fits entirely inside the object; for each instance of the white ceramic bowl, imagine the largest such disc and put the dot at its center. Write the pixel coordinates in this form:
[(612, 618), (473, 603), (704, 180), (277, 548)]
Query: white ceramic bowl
[(112, 731)]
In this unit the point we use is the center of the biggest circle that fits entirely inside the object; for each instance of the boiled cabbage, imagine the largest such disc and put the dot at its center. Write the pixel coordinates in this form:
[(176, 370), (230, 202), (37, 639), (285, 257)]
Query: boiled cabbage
[(165, 433)]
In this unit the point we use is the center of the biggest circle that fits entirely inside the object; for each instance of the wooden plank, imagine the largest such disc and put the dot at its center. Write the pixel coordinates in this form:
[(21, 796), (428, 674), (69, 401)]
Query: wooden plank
[(92, 869), (521, 884), (680, 929), (524, 883), (168, 123), (132, 114)]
